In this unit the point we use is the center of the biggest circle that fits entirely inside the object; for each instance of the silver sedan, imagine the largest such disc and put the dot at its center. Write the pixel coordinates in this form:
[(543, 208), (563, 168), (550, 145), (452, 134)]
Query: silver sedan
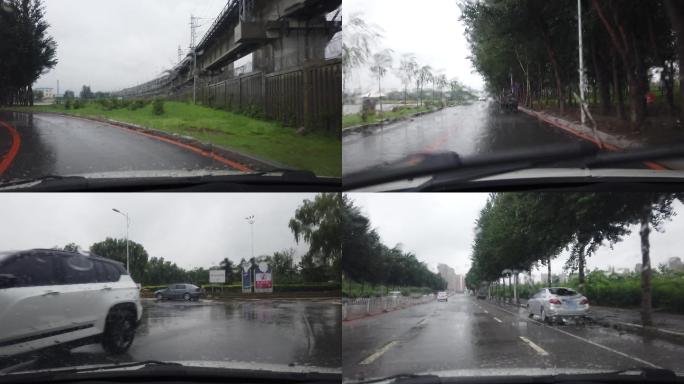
[(558, 303)]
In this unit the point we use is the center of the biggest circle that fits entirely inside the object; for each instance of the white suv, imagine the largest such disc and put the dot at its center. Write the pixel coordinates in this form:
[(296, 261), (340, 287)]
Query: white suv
[(54, 298)]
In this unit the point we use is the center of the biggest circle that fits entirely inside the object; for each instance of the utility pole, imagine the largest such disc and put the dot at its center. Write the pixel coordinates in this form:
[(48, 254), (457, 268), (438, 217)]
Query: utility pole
[(581, 60), (193, 39)]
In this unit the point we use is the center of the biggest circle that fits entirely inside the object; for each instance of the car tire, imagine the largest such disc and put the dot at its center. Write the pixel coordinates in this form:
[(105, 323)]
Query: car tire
[(119, 331), (159, 296), (543, 316), (186, 297)]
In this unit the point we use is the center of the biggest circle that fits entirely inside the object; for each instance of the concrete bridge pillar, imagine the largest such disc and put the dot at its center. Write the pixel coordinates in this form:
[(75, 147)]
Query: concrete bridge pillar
[(292, 44)]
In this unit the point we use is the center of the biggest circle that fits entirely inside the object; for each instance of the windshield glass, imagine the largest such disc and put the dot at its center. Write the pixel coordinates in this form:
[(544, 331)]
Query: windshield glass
[(232, 281), (485, 77), (187, 90), (511, 265)]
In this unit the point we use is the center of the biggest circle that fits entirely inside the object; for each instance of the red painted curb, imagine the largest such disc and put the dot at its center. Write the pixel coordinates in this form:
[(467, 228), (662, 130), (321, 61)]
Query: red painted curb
[(14, 149), (610, 147), (211, 155)]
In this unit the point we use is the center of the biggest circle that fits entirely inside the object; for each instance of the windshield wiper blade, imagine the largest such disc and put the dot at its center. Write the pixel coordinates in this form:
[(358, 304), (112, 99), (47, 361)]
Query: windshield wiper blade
[(404, 378), (47, 178), (643, 374), (144, 363), (603, 159), (265, 180), (583, 155), (495, 163)]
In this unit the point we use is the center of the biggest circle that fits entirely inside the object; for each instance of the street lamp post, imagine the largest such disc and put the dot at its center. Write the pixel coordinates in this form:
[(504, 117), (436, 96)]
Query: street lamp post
[(128, 222), (194, 78), (250, 220)]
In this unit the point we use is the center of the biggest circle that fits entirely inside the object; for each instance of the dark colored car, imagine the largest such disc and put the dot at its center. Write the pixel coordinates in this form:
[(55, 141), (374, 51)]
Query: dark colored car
[(186, 292), (509, 103)]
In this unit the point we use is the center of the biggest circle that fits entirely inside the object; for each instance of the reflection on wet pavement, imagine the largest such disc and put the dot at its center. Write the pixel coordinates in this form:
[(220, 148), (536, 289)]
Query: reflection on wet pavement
[(300, 333), (467, 130)]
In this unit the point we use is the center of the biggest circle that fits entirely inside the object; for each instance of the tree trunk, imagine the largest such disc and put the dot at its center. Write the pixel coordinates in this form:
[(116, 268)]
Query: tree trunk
[(548, 277), (556, 72), (675, 9), (580, 269), (665, 76), (646, 310), (617, 90), (622, 46), (380, 93), (602, 82)]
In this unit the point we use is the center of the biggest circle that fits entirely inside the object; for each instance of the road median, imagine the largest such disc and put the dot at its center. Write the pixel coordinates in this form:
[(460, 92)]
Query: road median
[(370, 126), (359, 308)]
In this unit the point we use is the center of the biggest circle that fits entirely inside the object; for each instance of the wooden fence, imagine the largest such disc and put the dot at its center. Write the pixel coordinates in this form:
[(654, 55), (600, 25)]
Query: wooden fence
[(308, 96)]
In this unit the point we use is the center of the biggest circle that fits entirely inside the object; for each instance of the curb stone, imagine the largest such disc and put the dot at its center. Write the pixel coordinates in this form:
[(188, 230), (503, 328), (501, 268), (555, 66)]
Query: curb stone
[(366, 127), (609, 141)]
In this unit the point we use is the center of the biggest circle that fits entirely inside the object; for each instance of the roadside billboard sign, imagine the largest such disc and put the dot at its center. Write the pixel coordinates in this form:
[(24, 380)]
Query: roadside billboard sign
[(263, 278), (246, 279), (217, 276)]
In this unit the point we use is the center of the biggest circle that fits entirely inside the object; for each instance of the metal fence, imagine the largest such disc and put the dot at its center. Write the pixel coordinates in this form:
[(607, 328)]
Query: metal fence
[(361, 307)]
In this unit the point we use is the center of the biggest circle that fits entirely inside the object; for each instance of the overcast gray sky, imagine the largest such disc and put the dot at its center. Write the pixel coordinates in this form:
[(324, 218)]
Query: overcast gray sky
[(439, 228), (192, 230), (429, 29), (111, 45)]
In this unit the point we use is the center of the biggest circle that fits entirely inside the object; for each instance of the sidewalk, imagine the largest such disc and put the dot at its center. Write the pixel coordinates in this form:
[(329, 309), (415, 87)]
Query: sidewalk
[(665, 325), (612, 140)]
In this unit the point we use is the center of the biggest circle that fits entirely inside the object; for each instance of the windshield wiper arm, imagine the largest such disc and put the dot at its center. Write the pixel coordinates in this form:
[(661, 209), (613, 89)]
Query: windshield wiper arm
[(145, 363), (405, 378), (507, 161)]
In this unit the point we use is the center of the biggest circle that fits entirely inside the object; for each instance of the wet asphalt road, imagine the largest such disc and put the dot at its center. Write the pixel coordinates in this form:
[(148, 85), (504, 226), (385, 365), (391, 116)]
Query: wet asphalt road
[(467, 130), (465, 333), (58, 145), (268, 332)]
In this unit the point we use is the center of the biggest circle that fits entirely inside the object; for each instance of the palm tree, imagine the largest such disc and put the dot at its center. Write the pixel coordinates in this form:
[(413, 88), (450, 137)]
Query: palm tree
[(424, 76), (382, 62), (442, 82), (407, 71)]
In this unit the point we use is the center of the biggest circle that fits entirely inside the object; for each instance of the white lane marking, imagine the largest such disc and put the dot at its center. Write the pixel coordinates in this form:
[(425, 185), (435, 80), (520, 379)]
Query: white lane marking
[(370, 359), (587, 341), (534, 346), (486, 311), (497, 319)]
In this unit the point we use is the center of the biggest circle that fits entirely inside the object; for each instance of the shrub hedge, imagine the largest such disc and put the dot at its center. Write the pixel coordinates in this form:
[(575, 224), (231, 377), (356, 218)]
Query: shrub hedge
[(621, 290)]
